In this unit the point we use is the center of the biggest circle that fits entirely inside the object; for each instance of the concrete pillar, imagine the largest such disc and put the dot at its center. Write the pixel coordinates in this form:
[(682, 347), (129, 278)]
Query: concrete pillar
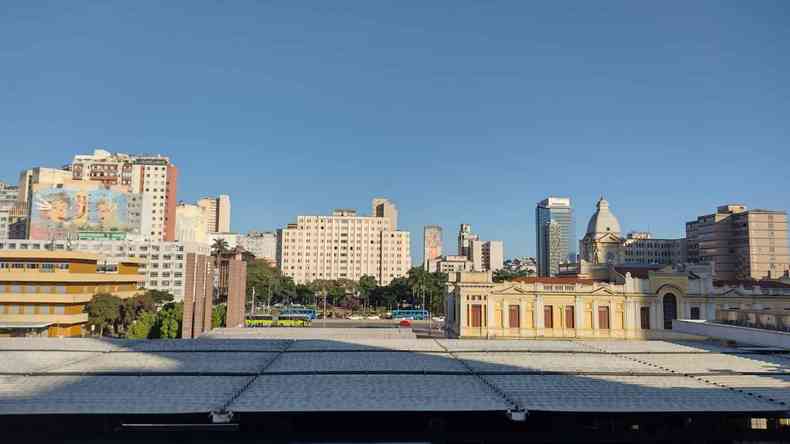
[(539, 324), (578, 312)]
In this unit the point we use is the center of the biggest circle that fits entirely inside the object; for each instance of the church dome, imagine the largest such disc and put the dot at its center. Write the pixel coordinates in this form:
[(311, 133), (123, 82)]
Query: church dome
[(603, 221)]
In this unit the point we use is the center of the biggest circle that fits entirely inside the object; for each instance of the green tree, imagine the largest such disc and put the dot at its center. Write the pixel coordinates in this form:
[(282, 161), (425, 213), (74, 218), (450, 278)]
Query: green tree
[(219, 316), (366, 286), (143, 327), (160, 297), (104, 311), (169, 321)]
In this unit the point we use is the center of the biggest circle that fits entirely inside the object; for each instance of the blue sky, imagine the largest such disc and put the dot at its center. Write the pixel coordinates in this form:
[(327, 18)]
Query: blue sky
[(461, 112)]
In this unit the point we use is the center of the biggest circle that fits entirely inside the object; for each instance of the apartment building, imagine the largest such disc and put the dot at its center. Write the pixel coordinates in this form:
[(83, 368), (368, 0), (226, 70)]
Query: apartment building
[(148, 182), (161, 263), (8, 202), (262, 244), (451, 264), (643, 248), (486, 255), (43, 293), (191, 223), (217, 213), (345, 245), (740, 243)]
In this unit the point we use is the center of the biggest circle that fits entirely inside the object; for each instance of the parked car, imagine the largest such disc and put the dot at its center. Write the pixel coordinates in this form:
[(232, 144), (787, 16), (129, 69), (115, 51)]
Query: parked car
[(355, 317), (404, 323), (438, 318), (374, 318)]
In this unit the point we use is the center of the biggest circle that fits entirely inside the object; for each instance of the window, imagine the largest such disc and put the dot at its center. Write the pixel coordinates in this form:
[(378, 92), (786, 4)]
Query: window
[(570, 320), (548, 316), (514, 317), (603, 318), (694, 312), (644, 315)]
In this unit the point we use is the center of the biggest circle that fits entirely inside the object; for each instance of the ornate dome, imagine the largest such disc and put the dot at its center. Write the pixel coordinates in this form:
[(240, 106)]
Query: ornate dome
[(603, 221)]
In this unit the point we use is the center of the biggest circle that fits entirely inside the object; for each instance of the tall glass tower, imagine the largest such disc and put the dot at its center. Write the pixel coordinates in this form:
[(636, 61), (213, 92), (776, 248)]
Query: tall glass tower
[(555, 232)]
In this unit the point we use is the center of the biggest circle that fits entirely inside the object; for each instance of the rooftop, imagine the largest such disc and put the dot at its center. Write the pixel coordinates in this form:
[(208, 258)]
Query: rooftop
[(264, 370)]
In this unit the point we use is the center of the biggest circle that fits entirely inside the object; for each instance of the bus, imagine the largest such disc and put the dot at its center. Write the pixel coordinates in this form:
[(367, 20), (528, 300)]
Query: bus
[(288, 320), (411, 314), (299, 310)]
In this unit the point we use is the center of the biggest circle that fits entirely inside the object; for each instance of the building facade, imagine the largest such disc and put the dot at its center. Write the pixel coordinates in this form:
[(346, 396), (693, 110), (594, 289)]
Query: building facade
[(740, 243), (217, 213), (161, 264), (345, 245), (555, 234), (486, 255), (465, 238), (431, 246), (626, 304), (8, 203), (43, 293), (643, 248), (152, 176), (191, 223), (450, 264), (262, 244)]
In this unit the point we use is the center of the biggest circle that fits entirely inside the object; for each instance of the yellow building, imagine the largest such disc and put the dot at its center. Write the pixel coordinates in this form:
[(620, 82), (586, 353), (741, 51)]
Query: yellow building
[(43, 293), (610, 302)]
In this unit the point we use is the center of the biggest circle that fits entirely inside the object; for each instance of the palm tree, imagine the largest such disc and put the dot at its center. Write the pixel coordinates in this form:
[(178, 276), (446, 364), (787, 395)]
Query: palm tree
[(219, 247)]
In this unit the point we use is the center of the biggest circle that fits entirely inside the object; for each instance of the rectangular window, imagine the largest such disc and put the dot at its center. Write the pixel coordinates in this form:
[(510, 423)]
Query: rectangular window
[(644, 315), (548, 316), (570, 320), (603, 318), (514, 317)]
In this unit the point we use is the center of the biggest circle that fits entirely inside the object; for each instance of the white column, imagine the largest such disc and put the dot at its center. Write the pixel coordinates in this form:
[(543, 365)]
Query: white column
[(539, 324), (578, 310)]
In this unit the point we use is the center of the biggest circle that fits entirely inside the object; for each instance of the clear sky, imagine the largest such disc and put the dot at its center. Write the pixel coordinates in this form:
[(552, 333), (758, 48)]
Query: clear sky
[(461, 112)]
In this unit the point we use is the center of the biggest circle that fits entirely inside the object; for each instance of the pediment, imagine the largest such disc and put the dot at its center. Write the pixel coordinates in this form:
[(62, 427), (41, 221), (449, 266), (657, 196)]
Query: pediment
[(609, 237), (512, 289), (603, 290)]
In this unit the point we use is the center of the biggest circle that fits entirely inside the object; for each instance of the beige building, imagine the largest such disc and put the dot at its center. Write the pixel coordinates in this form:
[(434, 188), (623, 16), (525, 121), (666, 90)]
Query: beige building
[(451, 264), (643, 248), (345, 246), (191, 224), (625, 303), (217, 213), (740, 243), (486, 255)]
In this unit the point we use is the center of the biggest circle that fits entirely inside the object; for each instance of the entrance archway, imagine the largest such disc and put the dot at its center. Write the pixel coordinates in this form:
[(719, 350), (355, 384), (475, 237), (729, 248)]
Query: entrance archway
[(670, 310)]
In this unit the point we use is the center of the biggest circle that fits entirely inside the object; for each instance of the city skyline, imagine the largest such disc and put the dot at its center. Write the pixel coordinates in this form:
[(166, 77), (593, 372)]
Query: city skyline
[(397, 101)]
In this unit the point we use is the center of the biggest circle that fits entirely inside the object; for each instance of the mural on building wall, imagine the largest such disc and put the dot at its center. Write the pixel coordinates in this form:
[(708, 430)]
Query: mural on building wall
[(58, 213)]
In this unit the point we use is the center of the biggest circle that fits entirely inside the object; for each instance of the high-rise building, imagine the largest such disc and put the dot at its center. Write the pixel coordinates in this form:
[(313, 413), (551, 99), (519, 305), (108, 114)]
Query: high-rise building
[(555, 243), (345, 245), (486, 255), (431, 246), (740, 244), (465, 238), (8, 202), (386, 209), (153, 177), (217, 213), (191, 223), (482, 255)]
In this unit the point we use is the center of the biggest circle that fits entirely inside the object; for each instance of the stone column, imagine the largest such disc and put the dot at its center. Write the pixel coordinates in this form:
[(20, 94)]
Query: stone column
[(539, 324), (578, 313)]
